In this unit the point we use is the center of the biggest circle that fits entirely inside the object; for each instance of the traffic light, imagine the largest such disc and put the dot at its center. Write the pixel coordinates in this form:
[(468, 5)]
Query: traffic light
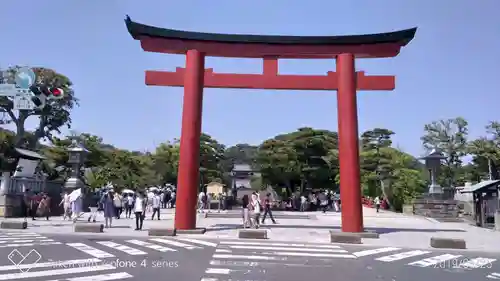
[(42, 93), (39, 98), (56, 93), (52, 93)]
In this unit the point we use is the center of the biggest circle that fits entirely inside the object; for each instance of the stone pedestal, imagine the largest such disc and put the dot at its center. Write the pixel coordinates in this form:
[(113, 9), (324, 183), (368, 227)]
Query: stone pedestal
[(436, 206), (497, 220)]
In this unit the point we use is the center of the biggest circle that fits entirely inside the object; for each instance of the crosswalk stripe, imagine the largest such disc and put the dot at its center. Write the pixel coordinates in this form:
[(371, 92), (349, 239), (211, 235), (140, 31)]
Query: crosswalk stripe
[(196, 241), (279, 244), (53, 264), (27, 241), (72, 270), (151, 246), (218, 271), (223, 251), (375, 251), (101, 277), (477, 263), (17, 238), (174, 243), (19, 235), (90, 250), (288, 249), (493, 275), (403, 255), (318, 255), (30, 244), (123, 248), (247, 257), (434, 260)]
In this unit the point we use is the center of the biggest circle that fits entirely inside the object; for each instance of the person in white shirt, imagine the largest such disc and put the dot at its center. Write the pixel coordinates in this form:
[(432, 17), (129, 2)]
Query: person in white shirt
[(117, 202), (139, 210), (129, 205), (201, 202), (156, 203), (66, 205), (256, 208)]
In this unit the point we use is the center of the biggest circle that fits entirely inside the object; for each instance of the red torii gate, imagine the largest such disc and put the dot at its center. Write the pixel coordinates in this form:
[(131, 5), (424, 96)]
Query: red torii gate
[(194, 77)]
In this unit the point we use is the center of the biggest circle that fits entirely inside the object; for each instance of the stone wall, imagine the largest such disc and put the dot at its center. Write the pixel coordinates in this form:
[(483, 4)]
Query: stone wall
[(429, 206)]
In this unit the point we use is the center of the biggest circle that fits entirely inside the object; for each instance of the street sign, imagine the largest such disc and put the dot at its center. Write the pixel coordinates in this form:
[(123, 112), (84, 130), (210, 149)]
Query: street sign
[(7, 91), (25, 77), (23, 103)]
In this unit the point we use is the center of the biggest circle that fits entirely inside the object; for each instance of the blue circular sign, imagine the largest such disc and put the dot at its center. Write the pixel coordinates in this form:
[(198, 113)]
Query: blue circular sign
[(25, 77)]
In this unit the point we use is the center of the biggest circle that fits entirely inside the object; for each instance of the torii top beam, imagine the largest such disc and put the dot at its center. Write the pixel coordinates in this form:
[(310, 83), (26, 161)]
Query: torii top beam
[(162, 40)]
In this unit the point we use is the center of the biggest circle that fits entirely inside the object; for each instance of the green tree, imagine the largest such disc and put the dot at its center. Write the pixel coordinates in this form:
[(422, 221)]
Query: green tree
[(301, 158), (211, 157), (166, 162), (376, 161), (450, 137)]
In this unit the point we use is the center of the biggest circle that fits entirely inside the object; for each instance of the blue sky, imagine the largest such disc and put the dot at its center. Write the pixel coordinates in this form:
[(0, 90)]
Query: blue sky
[(449, 70)]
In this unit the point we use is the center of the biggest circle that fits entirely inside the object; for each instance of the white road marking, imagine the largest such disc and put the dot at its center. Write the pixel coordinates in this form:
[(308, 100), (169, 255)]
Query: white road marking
[(246, 257), (72, 270), (225, 271), (54, 264), (17, 238), (201, 242), (124, 248), (27, 241), (289, 249), (477, 263), (344, 256), (223, 251), (90, 250), (5, 235), (151, 246), (279, 244), (375, 251), (209, 279), (174, 243), (434, 260), (30, 244), (259, 264), (101, 277), (403, 255), (493, 275)]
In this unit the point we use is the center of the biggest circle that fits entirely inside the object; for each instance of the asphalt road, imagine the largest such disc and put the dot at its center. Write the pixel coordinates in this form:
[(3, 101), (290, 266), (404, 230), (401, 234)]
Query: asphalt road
[(31, 256)]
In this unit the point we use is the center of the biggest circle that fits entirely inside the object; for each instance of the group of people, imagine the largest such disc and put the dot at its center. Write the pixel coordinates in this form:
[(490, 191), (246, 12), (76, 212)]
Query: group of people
[(323, 200), (35, 205), (253, 207), (112, 205)]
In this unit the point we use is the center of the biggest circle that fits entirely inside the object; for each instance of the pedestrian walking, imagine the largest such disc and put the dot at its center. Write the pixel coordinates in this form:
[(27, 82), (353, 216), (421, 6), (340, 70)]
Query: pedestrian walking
[(377, 203), (202, 199), (65, 202), (156, 205), (43, 209), (117, 202), (256, 208), (139, 210), (129, 206), (108, 208), (267, 209), (245, 212)]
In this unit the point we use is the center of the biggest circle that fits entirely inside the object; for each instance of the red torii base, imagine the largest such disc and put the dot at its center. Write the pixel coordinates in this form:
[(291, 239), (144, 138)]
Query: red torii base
[(194, 77)]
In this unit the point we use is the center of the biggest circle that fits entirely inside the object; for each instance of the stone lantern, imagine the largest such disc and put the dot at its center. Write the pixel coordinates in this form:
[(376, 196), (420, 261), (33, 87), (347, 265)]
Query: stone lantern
[(77, 155), (433, 165)]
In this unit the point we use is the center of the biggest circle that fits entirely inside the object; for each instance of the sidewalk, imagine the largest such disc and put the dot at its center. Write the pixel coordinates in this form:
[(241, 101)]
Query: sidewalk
[(396, 230)]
